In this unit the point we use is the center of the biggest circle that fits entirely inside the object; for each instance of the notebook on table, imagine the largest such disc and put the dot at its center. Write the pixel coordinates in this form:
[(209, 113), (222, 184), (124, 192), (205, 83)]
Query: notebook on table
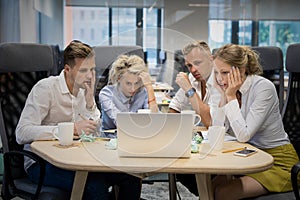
[(160, 135)]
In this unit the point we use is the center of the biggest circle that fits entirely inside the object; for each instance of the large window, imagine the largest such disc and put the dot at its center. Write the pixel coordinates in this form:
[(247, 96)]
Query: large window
[(279, 33), (89, 25), (245, 32), (219, 32), (151, 35), (123, 26), (115, 26)]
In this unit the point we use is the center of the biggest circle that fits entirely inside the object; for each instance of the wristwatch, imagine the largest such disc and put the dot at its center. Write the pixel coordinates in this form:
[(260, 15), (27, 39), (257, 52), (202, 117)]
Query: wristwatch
[(190, 92)]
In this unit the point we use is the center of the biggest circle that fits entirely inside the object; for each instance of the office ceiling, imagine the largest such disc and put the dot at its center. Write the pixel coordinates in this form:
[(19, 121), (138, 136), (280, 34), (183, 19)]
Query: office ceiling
[(117, 3), (218, 9)]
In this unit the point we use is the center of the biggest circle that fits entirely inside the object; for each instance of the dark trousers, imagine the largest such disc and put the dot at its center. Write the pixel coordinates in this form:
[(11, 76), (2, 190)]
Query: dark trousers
[(189, 181), (97, 183)]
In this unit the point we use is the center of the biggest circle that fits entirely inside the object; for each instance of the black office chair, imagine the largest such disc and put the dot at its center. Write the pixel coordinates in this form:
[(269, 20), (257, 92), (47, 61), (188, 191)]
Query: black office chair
[(179, 66), (21, 66), (271, 60), (291, 109), (294, 175)]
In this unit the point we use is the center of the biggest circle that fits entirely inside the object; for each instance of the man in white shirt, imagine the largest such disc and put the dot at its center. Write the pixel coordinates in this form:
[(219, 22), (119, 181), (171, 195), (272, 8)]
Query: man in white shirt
[(69, 97), (196, 92), (196, 89)]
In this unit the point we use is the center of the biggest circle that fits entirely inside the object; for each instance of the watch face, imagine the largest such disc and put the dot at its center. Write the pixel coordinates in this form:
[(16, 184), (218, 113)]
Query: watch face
[(190, 92)]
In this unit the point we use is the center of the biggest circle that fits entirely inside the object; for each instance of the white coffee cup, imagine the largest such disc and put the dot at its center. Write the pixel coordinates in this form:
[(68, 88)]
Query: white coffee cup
[(65, 133), (159, 96), (197, 118), (216, 136), (144, 111)]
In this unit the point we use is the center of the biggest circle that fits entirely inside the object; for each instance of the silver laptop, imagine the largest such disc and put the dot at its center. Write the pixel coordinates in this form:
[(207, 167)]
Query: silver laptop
[(160, 135)]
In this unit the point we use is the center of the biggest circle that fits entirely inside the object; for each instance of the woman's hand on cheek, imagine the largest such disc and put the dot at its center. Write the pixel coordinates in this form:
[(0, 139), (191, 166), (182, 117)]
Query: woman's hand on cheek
[(234, 83)]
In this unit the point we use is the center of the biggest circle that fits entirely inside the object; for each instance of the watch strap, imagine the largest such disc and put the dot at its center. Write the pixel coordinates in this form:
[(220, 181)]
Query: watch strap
[(190, 92)]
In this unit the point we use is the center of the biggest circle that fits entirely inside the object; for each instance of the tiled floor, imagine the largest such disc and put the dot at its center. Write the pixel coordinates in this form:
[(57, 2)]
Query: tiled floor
[(160, 191)]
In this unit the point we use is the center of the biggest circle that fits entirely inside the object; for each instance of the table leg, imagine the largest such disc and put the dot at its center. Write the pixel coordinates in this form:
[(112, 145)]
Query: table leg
[(172, 186), (204, 186), (78, 184)]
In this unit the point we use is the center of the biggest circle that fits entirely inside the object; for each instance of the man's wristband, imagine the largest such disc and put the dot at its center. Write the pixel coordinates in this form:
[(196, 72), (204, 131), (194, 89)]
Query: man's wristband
[(190, 92), (151, 100)]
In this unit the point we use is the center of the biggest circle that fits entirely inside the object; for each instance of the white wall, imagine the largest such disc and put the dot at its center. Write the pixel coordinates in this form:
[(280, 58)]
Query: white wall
[(32, 21), (191, 21)]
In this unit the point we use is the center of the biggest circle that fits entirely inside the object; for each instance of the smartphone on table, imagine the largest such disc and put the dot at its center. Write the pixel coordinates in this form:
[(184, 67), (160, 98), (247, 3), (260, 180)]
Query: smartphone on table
[(245, 152)]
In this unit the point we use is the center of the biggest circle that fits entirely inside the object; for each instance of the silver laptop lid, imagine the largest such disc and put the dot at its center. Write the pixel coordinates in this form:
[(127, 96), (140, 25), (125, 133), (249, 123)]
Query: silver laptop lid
[(154, 134)]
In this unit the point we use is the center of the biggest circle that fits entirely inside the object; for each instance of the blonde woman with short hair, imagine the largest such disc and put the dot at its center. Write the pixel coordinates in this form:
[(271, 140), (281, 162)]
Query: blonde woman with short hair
[(129, 89)]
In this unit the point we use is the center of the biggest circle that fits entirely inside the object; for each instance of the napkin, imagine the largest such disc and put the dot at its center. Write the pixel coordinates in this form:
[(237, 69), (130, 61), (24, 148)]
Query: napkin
[(87, 138)]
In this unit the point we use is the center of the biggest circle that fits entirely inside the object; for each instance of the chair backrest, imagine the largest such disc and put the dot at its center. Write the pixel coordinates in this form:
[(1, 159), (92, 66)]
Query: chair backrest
[(21, 66), (291, 109), (105, 56), (271, 60), (179, 66)]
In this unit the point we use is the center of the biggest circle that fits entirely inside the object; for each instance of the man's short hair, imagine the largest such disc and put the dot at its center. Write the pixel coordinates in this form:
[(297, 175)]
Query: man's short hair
[(77, 49), (202, 45)]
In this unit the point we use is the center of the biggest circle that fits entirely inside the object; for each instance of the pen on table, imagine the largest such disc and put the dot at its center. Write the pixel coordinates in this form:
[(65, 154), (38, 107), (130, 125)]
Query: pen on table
[(232, 150), (82, 117)]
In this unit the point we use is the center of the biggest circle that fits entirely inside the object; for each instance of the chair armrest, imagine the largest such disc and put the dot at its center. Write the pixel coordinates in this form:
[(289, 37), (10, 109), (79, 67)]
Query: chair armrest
[(294, 177), (9, 164)]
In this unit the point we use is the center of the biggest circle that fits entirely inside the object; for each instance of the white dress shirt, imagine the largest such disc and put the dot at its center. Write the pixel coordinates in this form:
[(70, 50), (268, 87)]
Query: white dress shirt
[(258, 121), (49, 103)]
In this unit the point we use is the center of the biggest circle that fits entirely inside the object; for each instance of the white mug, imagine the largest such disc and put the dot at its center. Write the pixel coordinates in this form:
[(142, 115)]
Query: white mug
[(65, 133), (144, 111), (216, 136), (197, 118), (159, 96)]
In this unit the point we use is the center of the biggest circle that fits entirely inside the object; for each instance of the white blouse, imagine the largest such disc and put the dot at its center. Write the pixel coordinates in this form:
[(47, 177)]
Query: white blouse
[(258, 121)]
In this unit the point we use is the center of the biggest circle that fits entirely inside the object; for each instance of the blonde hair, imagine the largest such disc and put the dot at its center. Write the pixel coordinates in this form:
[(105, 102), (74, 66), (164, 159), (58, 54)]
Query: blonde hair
[(239, 56), (132, 64), (202, 45)]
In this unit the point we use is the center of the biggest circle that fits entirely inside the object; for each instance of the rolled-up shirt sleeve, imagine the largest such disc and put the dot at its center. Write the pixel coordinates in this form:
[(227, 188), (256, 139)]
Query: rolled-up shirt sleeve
[(178, 101)]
